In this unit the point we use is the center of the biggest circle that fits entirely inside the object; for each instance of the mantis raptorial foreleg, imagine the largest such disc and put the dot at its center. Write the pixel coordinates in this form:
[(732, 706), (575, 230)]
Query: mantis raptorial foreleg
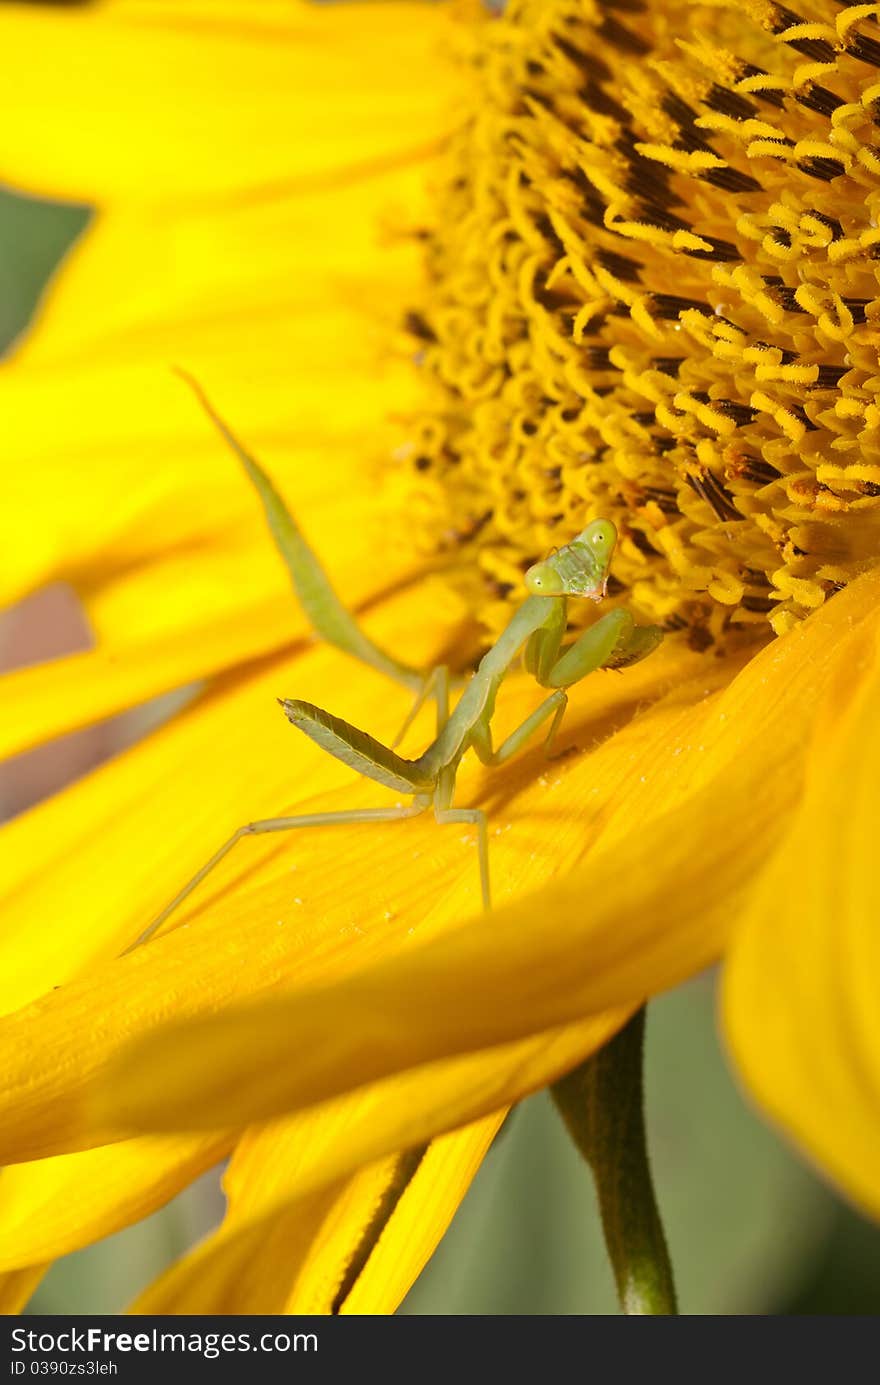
[(613, 641)]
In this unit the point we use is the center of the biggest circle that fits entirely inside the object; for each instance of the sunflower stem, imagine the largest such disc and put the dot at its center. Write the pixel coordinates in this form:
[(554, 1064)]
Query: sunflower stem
[(602, 1105)]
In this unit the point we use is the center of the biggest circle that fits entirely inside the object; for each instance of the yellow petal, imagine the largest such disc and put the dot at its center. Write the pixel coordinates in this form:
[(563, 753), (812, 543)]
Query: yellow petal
[(248, 1265), (86, 871), (16, 1289), (54, 1206), (653, 904), (116, 482), (110, 464), (334, 1139), (241, 1273), (150, 101), (94, 866), (46, 1096), (42, 701), (46, 700), (154, 282), (408, 1240), (801, 985), (331, 1141), (295, 1275), (287, 310), (278, 1170)]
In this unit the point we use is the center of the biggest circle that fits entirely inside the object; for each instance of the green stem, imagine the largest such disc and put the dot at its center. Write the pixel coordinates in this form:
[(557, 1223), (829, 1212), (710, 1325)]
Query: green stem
[(602, 1105)]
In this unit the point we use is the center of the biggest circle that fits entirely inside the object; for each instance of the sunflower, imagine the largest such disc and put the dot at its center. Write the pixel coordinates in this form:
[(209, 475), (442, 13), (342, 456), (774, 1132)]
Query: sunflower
[(461, 280)]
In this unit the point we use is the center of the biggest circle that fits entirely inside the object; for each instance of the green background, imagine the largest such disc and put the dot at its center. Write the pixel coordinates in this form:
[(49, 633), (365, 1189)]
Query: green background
[(751, 1229)]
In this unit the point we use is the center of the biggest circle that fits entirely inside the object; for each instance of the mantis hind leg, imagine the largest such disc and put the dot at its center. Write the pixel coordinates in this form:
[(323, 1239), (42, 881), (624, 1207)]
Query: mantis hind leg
[(285, 824)]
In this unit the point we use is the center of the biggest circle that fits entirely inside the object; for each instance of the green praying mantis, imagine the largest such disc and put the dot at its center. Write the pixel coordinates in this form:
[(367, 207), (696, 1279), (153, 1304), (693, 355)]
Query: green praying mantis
[(577, 571)]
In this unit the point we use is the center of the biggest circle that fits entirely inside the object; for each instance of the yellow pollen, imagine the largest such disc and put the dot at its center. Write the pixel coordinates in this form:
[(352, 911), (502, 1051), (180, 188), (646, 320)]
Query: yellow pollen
[(652, 296)]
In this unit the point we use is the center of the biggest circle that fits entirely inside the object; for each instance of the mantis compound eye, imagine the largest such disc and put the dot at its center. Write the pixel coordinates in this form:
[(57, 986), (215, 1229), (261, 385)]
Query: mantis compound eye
[(542, 579), (601, 535)]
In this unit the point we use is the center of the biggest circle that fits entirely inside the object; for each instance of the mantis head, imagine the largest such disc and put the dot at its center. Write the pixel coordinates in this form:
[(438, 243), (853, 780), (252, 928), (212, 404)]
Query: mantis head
[(578, 569)]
